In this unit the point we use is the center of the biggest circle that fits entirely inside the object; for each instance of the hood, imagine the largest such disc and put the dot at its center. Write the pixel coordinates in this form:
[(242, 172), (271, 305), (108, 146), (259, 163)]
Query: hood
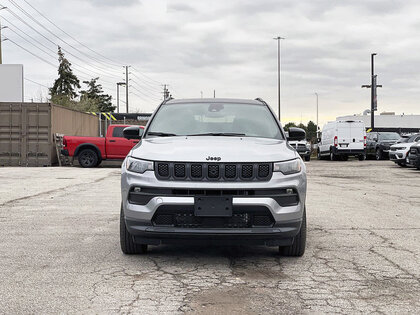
[(200, 149), (389, 142), (402, 145)]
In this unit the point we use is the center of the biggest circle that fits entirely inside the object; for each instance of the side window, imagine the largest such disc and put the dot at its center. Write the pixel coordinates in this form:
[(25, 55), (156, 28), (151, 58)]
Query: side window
[(417, 139), (118, 132)]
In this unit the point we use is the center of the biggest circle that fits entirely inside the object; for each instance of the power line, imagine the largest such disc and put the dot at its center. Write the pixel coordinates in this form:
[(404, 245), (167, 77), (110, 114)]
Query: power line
[(55, 44), (77, 41), (75, 65), (55, 66), (36, 82), (53, 34)]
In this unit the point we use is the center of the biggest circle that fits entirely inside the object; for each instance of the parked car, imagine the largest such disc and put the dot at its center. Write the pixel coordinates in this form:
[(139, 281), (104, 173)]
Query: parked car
[(414, 156), (91, 151), (379, 143), (214, 170), (303, 148), (341, 139), (399, 152)]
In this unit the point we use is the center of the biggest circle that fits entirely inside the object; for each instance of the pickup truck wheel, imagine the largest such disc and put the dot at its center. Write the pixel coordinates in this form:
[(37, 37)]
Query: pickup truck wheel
[(361, 157), (88, 158), (297, 249), (333, 157), (378, 154), (307, 158), (128, 246)]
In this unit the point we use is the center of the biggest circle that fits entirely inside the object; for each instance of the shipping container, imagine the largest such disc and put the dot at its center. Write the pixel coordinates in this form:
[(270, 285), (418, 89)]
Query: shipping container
[(27, 131)]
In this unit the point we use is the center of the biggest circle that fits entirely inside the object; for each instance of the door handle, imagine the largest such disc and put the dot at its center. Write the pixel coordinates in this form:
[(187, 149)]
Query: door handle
[(111, 140)]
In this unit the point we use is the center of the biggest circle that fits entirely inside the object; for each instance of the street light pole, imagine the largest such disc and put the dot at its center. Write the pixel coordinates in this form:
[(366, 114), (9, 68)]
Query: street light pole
[(317, 122), (278, 38)]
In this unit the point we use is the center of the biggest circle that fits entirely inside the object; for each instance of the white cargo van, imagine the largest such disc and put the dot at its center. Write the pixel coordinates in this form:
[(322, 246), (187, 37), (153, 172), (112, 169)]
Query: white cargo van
[(341, 139)]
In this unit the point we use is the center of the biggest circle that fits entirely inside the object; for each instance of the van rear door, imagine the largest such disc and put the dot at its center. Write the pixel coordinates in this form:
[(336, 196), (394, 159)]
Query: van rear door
[(350, 135)]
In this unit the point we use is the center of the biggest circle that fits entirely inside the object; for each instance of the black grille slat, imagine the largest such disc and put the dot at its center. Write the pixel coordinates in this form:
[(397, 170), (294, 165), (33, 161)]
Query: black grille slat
[(230, 171), (179, 170), (213, 171), (263, 170), (183, 217), (196, 170), (247, 170), (163, 169)]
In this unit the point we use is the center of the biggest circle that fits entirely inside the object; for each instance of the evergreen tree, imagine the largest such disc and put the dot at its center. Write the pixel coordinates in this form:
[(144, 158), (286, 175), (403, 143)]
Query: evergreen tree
[(288, 125), (67, 83), (311, 131), (95, 94)]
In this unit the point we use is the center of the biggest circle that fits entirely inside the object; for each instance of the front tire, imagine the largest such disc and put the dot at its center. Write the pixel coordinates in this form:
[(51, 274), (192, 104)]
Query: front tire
[(378, 154), (88, 158), (128, 246), (297, 249), (362, 157), (307, 158)]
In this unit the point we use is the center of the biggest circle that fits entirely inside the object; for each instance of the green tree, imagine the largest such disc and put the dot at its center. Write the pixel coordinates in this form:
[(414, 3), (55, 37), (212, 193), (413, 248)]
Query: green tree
[(288, 125), (66, 85), (311, 131), (95, 94)]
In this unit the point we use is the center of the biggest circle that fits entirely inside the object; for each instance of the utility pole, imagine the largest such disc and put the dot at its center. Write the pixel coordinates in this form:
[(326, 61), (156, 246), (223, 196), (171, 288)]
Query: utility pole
[(118, 95), (126, 89), (201, 94), (278, 39), (317, 126), (214, 93), (166, 94), (373, 94)]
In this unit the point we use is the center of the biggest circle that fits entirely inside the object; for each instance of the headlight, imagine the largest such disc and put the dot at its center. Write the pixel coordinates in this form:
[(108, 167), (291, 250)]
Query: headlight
[(138, 166), (289, 167)]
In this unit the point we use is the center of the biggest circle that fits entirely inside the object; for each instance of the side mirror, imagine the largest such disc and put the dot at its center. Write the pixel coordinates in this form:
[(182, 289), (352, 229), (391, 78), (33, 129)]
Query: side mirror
[(318, 140), (133, 132), (296, 134)]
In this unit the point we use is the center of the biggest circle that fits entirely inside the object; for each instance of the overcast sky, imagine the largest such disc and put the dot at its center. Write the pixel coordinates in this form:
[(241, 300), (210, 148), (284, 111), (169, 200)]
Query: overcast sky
[(199, 46)]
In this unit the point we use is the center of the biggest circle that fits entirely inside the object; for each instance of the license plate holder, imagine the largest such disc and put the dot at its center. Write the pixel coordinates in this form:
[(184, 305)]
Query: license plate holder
[(344, 145), (213, 206)]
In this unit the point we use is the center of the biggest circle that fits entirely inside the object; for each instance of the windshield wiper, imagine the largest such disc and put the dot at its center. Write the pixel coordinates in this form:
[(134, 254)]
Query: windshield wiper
[(160, 134), (226, 134)]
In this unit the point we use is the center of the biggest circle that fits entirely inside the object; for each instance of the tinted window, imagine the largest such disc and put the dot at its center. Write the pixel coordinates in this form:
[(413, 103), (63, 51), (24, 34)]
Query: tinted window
[(389, 136), (118, 132), (200, 118)]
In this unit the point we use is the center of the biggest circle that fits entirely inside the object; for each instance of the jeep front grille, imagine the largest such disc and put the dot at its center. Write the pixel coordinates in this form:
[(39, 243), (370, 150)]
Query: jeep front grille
[(213, 171)]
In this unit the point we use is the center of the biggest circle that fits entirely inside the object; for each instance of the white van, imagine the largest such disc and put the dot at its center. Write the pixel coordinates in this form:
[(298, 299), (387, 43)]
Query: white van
[(341, 139)]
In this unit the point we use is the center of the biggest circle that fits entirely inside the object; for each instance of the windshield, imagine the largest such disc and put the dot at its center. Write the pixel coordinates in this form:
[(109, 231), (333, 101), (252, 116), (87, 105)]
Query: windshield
[(389, 136), (413, 138), (214, 119)]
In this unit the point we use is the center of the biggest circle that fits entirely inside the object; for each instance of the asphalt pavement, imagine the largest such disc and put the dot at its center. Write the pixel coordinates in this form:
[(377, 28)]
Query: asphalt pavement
[(59, 250)]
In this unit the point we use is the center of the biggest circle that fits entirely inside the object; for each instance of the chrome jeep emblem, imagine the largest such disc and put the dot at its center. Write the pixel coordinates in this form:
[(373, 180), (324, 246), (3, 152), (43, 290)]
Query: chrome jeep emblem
[(213, 158)]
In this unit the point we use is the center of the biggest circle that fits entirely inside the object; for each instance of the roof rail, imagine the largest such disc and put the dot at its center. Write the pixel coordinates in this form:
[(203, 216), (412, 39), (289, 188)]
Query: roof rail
[(166, 100), (261, 100)]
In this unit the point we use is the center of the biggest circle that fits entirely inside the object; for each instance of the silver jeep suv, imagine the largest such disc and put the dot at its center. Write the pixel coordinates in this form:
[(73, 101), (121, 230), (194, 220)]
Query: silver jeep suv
[(213, 170)]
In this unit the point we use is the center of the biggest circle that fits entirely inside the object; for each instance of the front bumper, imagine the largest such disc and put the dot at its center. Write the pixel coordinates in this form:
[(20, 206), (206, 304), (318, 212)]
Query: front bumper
[(304, 153), (287, 218), (398, 156)]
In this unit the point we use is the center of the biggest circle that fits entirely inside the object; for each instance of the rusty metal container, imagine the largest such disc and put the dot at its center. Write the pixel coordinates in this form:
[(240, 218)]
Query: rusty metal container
[(27, 129)]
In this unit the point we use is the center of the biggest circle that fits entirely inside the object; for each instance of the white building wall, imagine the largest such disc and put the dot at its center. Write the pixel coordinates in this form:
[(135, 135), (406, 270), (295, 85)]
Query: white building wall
[(387, 121), (11, 83)]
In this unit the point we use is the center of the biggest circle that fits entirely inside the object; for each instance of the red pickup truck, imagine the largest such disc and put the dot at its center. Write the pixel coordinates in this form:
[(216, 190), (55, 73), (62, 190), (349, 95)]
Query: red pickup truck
[(92, 150)]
